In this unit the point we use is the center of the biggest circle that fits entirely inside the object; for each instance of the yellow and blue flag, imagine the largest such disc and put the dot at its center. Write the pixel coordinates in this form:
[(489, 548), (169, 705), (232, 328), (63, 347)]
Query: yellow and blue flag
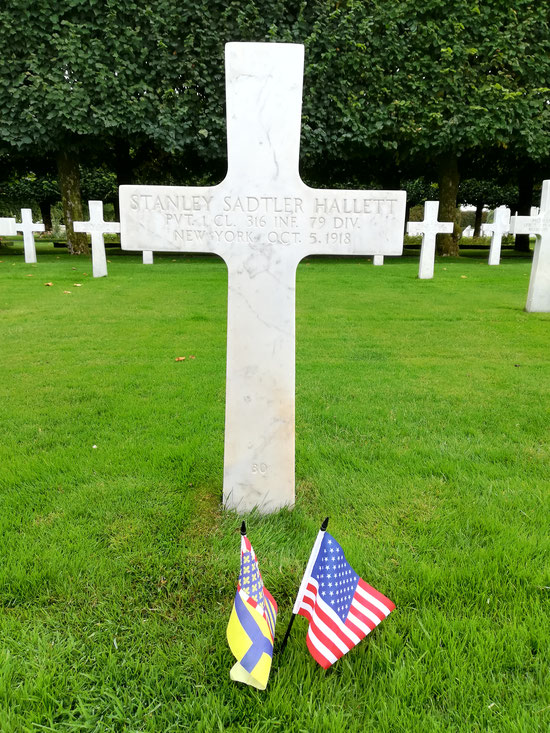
[(251, 627)]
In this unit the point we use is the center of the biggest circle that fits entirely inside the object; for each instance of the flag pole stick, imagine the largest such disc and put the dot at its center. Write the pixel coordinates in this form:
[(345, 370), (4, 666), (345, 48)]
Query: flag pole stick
[(307, 573), (243, 529)]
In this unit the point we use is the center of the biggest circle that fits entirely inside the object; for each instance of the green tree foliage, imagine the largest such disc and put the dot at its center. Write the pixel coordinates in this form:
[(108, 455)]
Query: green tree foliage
[(433, 83), (392, 90)]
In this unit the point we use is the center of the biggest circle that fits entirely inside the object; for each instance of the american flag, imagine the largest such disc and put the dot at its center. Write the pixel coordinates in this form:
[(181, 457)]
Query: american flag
[(340, 607)]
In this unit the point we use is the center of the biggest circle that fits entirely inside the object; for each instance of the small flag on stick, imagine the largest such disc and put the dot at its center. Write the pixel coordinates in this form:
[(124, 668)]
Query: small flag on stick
[(340, 607), (251, 627)]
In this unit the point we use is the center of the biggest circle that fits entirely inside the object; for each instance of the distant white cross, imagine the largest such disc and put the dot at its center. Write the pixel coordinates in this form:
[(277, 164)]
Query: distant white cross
[(28, 228), (429, 228), (262, 220), (499, 227), (538, 296), (378, 260), (147, 257), (7, 227), (97, 228)]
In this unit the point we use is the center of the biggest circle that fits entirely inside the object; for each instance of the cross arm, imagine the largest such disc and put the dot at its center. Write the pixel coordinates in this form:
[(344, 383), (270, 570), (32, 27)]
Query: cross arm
[(7, 227), (173, 218), (526, 225), (353, 222), (415, 228)]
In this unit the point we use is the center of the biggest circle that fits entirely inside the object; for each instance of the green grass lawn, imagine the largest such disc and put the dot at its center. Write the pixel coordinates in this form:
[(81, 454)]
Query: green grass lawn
[(423, 431)]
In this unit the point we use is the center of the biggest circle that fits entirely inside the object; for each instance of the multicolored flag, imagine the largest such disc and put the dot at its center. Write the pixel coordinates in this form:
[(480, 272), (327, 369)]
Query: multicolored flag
[(251, 627), (340, 607)]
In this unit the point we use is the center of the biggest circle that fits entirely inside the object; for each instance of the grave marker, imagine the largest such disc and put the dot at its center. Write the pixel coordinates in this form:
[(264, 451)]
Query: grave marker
[(499, 227), (538, 296), (147, 257), (378, 260), (429, 228), (28, 228), (97, 228), (261, 220)]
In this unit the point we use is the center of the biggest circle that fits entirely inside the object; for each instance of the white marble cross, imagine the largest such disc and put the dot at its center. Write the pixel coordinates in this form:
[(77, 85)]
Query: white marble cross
[(28, 228), (429, 228), (97, 228), (538, 296), (262, 220), (499, 227), (7, 227)]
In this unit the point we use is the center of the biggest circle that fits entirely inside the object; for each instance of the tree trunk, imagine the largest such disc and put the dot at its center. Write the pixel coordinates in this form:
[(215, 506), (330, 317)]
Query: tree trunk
[(69, 183), (478, 219), (449, 178), (46, 214), (525, 201)]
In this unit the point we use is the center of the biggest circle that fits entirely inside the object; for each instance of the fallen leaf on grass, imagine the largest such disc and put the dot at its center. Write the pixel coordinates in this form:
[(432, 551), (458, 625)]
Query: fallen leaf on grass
[(180, 358), (67, 292), (77, 285), (192, 357), (48, 285), (73, 268), (108, 260), (464, 277), (28, 276), (174, 260)]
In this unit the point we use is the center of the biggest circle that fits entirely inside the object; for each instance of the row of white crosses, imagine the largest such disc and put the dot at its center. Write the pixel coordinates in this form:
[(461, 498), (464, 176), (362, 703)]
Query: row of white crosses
[(96, 227), (430, 227)]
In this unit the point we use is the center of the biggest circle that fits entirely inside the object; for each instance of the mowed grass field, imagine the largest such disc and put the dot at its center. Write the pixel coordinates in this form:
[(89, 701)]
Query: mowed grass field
[(422, 430)]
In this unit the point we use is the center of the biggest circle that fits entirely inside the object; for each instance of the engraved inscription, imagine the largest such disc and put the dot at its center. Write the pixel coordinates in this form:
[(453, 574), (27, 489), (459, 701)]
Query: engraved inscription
[(209, 218), (259, 468)]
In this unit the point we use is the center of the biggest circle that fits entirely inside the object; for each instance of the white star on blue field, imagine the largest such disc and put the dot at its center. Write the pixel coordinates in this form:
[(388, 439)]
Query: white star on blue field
[(337, 579)]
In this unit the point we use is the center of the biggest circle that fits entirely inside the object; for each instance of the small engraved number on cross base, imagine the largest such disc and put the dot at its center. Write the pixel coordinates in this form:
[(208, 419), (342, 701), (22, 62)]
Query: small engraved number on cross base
[(259, 468)]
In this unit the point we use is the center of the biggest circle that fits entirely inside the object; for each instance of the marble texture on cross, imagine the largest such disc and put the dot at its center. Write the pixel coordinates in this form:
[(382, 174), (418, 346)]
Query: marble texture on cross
[(499, 227), (7, 227), (262, 220), (147, 257), (538, 296), (27, 228), (97, 228), (429, 228)]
